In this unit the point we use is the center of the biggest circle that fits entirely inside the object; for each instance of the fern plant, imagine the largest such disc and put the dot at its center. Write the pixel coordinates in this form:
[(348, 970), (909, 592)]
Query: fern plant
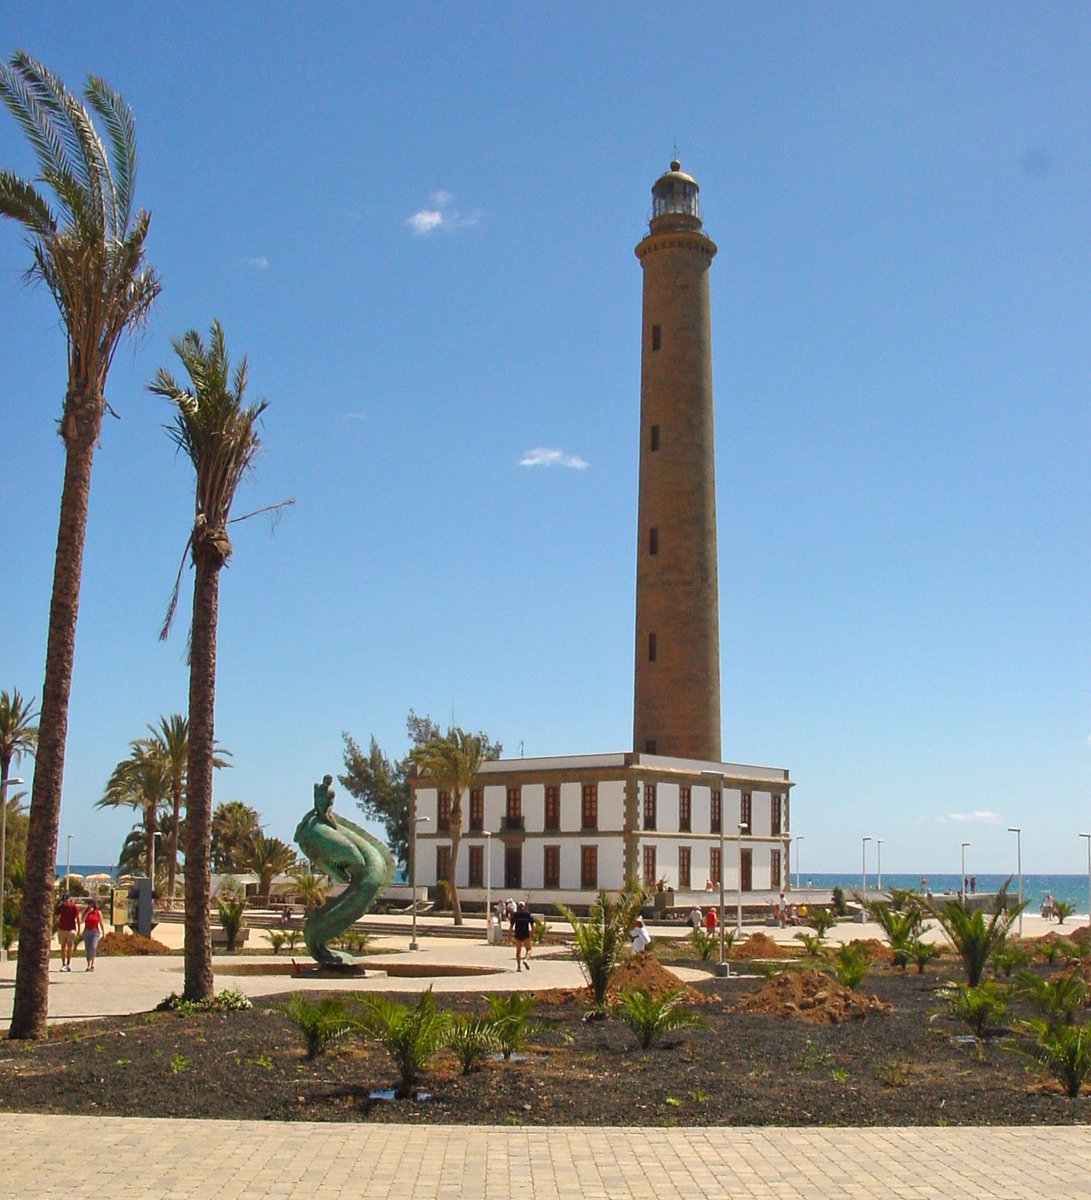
[(652, 1017)]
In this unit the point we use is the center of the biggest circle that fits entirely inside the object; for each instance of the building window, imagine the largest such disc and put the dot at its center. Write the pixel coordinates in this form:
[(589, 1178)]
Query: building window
[(477, 866), (787, 817), (715, 866), (653, 541), (589, 868), (684, 882), (589, 809), (715, 810), (649, 868), (649, 805), (477, 809), (443, 862), (655, 437), (652, 647), (685, 810), (746, 810), (551, 867), (774, 815), (774, 868), (552, 808), (649, 746), (443, 811), (513, 815), (746, 870), (513, 867), (657, 337)]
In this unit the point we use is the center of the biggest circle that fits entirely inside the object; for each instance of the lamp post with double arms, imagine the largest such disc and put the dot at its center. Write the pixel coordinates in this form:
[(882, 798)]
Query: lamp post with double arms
[(962, 882), (4, 785), (1018, 831), (863, 867), (488, 887)]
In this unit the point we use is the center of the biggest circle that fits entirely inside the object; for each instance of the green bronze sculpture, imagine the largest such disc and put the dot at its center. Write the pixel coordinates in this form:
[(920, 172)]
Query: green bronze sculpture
[(348, 855)]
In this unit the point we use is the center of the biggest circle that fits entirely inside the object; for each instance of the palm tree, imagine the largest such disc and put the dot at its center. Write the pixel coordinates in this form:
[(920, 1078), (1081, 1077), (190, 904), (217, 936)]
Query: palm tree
[(17, 737), (974, 939), (141, 781), (451, 761), (90, 255), (218, 432), (172, 736), (233, 825), (267, 858)]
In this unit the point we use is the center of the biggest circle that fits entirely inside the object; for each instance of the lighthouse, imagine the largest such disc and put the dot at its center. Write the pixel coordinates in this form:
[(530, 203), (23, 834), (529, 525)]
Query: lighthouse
[(676, 701)]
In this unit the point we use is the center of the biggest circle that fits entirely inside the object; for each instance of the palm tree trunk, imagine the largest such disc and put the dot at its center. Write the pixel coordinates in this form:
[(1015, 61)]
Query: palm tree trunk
[(199, 981), (80, 430), (176, 801), (456, 842)]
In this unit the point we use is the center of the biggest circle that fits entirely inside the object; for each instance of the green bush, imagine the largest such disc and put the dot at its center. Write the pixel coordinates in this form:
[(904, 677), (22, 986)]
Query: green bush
[(812, 945), (231, 910), (821, 920), (509, 1013), (1057, 1000), (840, 908), (410, 1033), (539, 933), (229, 1000), (472, 1037), (705, 943), (278, 938), (979, 1007), (321, 1022), (1062, 909), (850, 966), (921, 953), (1010, 958), (652, 1017), (1064, 1050), (975, 939)]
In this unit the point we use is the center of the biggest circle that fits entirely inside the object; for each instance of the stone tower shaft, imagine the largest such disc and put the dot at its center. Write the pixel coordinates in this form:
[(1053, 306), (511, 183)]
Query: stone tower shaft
[(676, 709)]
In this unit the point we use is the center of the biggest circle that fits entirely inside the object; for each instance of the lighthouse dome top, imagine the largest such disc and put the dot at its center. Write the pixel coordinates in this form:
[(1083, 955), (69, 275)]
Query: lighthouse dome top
[(676, 199)]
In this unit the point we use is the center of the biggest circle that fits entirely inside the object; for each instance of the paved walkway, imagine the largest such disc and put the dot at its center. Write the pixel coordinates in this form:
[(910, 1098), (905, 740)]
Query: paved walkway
[(140, 1159)]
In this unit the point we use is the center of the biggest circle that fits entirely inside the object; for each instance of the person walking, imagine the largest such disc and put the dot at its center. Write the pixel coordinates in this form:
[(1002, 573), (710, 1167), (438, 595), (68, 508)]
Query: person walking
[(710, 921), (522, 927), (92, 931), (68, 927), (639, 936)]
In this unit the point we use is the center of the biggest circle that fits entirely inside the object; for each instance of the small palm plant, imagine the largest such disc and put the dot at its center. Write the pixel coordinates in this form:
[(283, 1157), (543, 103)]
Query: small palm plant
[(850, 965), (410, 1033), (509, 1013), (975, 939), (980, 1007), (1064, 1050), (901, 926), (278, 939), (821, 920), (602, 941), (472, 1037), (812, 945), (1057, 1000), (231, 910), (321, 1023), (1010, 958), (704, 943), (1062, 909), (921, 953), (652, 1017)]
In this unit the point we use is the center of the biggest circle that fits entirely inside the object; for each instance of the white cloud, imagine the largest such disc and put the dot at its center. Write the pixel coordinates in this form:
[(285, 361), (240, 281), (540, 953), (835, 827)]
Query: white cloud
[(355, 416), (440, 215), (982, 815), (542, 457), (259, 262)]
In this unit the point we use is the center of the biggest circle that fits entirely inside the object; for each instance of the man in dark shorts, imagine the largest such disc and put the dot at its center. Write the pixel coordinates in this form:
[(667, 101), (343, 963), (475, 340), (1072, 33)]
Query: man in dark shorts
[(68, 926), (522, 929)]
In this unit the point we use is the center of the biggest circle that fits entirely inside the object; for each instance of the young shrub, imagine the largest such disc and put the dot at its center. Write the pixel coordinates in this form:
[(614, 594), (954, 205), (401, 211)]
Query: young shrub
[(410, 1033), (1053, 947), (821, 920), (850, 966), (1062, 909), (812, 945), (321, 1022), (1057, 1000), (921, 953), (975, 939), (278, 938), (509, 1014), (538, 934), (472, 1038), (1064, 1050), (979, 1007), (1012, 957), (840, 908), (651, 1018), (231, 910), (704, 943), (602, 941), (902, 927)]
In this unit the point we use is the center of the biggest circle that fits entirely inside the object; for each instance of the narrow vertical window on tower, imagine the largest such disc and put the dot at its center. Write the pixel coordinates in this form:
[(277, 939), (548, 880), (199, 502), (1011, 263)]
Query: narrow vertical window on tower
[(649, 806), (653, 647), (657, 337), (715, 810), (653, 541), (655, 437)]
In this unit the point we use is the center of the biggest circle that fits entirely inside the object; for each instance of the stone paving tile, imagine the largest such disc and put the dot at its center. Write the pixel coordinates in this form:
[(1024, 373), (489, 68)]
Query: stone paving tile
[(50, 1158)]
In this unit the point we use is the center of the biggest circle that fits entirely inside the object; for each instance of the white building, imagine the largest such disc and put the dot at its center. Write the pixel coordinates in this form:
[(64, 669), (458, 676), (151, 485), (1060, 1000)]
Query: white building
[(562, 828)]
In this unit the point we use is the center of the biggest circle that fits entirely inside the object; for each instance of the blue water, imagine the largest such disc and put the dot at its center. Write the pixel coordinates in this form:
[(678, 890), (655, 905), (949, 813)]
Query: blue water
[(1070, 888)]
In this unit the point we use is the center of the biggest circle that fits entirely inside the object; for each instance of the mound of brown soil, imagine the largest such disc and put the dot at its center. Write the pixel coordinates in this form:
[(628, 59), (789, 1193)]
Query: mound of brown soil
[(130, 943), (811, 996), (642, 971), (1081, 934), (874, 950), (760, 945)]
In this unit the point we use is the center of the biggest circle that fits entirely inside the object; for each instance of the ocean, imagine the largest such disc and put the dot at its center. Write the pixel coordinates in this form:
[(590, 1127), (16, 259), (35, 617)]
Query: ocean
[(1073, 889)]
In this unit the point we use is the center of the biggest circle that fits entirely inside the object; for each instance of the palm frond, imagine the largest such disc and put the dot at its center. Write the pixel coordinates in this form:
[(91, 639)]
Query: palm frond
[(117, 116), (22, 202)]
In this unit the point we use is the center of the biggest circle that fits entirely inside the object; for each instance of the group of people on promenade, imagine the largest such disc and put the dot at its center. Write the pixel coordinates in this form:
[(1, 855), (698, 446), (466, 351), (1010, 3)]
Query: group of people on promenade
[(69, 922)]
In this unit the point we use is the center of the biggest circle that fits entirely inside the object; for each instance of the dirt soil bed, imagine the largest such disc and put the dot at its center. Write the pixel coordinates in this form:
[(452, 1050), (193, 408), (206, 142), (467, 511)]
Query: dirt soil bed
[(742, 1068), (812, 996)]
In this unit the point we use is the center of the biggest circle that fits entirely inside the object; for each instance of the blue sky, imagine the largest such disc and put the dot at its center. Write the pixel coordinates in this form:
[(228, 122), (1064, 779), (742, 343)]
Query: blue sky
[(418, 221)]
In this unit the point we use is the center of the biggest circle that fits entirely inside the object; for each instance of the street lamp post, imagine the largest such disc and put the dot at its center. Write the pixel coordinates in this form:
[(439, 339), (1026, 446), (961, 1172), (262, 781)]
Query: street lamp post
[(962, 884), (799, 838), (863, 866), (879, 863), (1087, 836), (488, 886), (68, 863), (4, 785), (1018, 831), (413, 945), (743, 830)]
